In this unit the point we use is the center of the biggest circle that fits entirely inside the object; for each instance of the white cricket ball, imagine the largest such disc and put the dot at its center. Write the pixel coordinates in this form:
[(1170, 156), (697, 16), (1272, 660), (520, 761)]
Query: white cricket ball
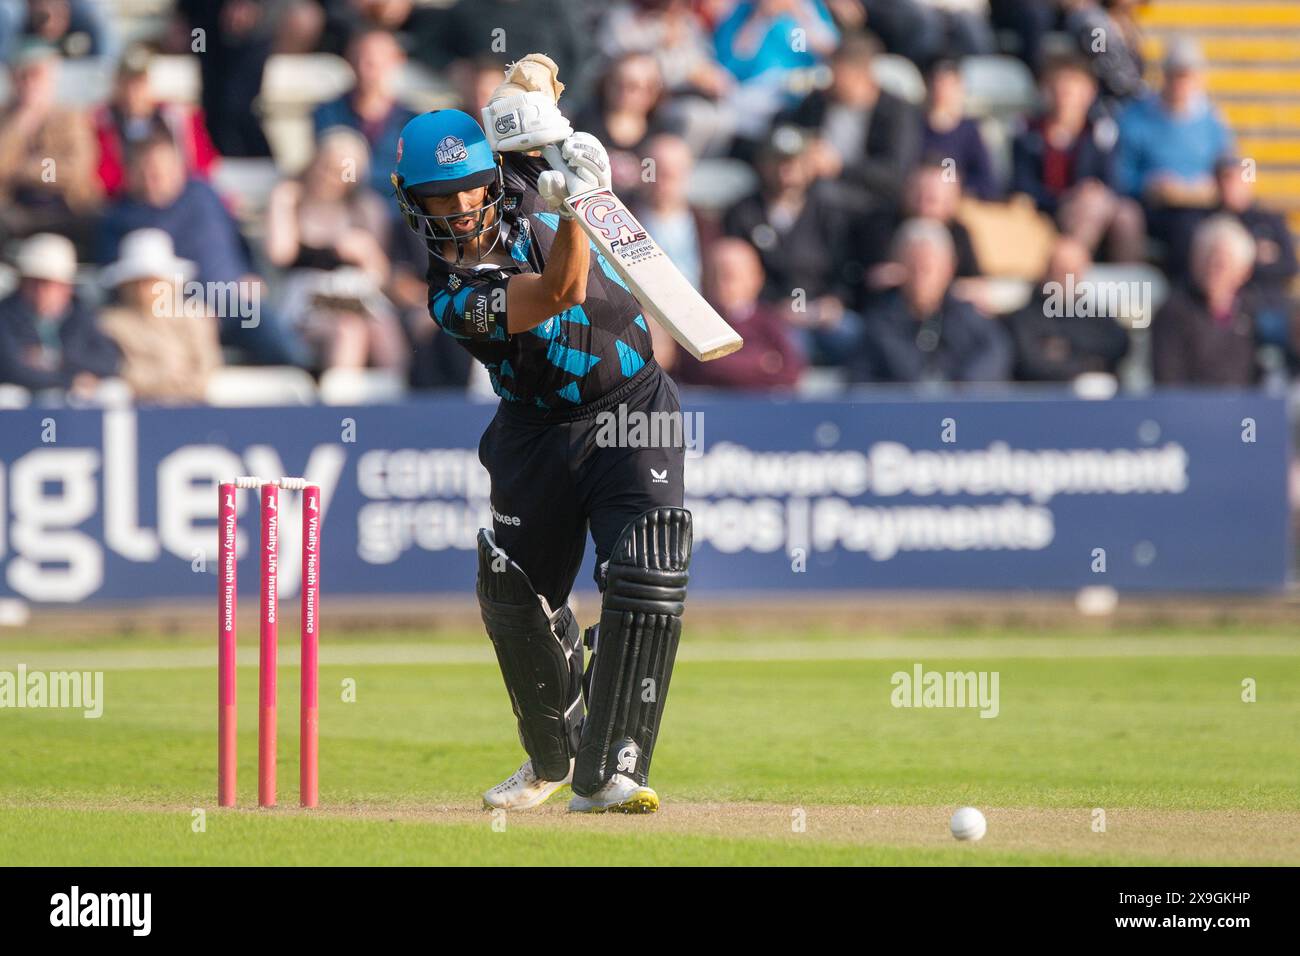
[(968, 824)]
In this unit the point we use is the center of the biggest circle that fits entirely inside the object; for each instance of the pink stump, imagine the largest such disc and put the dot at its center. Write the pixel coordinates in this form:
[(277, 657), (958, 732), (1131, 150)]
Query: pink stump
[(227, 605), (269, 650), (311, 528)]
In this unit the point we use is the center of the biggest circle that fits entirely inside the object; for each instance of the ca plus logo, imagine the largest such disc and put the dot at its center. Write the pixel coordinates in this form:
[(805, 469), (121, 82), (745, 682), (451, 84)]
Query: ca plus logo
[(612, 218), (506, 124), (627, 759)]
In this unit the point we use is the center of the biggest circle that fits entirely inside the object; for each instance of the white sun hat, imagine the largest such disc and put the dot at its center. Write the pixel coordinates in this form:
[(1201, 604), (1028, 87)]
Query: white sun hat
[(146, 254), (47, 256)]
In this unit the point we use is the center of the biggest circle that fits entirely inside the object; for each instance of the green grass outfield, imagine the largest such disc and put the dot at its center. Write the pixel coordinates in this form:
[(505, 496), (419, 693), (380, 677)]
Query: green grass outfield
[(774, 750)]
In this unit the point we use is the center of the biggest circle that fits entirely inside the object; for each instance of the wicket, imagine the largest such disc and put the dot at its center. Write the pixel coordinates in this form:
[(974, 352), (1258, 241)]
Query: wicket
[(227, 607)]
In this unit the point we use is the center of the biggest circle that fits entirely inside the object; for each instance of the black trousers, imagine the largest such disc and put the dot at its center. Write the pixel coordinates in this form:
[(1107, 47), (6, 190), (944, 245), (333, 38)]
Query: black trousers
[(554, 474)]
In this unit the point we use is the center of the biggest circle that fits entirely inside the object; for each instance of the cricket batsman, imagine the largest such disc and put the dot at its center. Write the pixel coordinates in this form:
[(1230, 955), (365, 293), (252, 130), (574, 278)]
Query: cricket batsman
[(514, 279)]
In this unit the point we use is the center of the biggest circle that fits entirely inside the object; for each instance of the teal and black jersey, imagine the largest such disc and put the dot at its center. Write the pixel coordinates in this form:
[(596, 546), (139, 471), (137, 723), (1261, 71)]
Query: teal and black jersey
[(572, 358)]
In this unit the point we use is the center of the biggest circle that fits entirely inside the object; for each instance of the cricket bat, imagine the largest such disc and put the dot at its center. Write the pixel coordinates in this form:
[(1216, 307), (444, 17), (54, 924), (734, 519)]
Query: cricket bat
[(647, 271)]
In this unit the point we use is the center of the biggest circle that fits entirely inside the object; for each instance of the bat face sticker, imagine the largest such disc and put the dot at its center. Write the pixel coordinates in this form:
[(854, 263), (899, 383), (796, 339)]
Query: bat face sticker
[(604, 212)]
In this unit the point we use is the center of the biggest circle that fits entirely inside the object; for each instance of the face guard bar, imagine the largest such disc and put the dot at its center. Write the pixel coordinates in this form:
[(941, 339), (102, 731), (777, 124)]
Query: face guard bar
[(437, 231)]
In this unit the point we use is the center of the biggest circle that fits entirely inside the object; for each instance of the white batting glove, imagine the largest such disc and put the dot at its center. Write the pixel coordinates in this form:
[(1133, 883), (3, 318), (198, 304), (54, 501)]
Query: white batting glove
[(524, 121), (588, 159), (553, 190)]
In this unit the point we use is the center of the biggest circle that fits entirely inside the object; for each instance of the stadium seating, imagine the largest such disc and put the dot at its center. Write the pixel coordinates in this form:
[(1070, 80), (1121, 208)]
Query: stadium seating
[(232, 387), (1252, 49), (899, 76), (999, 86), (718, 183), (14, 396), (246, 184), (358, 386)]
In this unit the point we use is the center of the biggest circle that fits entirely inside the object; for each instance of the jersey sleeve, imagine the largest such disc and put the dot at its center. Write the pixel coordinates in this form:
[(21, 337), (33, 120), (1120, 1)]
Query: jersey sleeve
[(520, 170), (471, 310)]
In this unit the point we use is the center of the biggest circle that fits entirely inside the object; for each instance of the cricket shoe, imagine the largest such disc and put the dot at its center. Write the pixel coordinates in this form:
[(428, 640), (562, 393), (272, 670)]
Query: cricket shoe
[(523, 789), (620, 795)]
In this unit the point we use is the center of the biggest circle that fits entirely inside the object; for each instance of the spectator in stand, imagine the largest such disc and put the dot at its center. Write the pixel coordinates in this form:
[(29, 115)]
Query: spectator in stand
[(475, 80), (1204, 334), (237, 37), (474, 28), (133, 113), (1275, 255), (1030, 21), (75, 28), (1065, 161), (1053, 342), (169, 344), (948, 136), (1117, 63), (758, 45), (371, 107), (928, 30), (863, 135), (849, 15), (931, 193), (920, 331), (669, 31), (804, 231), (344, 20), (47, 157), (1169, 145), (327, 229), (758, 37), (904, 28), (956, 28), (628, 112), (665, 210), (160, 196), (770, 358), (48, 338)]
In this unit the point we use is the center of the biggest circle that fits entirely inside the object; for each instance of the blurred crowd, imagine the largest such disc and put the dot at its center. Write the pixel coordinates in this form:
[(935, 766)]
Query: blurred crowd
[(816, 167)]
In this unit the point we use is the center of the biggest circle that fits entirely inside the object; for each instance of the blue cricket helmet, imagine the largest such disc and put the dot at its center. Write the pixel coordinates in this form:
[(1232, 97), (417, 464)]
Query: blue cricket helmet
[(440, 153)]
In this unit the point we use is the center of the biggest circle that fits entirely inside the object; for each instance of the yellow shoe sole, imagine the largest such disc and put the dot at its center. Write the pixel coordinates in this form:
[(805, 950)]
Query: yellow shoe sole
[(641, 803)]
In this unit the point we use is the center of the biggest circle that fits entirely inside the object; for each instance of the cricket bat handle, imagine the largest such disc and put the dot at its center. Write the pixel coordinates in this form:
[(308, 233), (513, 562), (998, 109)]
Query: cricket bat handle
[(575, 183)]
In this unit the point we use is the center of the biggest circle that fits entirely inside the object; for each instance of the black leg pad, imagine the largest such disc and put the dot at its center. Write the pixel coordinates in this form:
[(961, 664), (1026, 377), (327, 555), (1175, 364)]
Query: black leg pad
[(636, 644), (540, 654)]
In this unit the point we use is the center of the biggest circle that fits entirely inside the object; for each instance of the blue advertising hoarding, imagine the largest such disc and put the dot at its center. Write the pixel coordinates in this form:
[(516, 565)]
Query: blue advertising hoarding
[(1170, 492)]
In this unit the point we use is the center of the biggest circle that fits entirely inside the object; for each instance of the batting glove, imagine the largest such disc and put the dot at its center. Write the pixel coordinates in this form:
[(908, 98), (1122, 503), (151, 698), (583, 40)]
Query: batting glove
[(588, 159), (524, 121), (553, 190)]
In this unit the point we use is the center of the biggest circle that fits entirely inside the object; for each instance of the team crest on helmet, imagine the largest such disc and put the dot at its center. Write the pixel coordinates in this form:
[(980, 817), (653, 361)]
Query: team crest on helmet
[(451, 150)]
